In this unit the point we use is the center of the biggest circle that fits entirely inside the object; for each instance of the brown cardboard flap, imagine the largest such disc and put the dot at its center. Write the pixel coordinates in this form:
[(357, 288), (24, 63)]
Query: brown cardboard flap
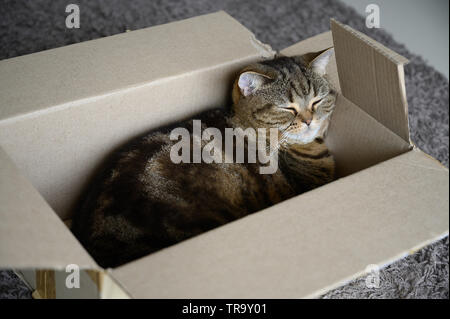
[(60, 76), (309, 244), (31, 234), (372, 77)]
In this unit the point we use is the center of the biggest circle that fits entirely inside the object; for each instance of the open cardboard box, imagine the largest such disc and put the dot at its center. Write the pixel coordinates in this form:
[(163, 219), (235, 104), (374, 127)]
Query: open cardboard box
[(62, 111)]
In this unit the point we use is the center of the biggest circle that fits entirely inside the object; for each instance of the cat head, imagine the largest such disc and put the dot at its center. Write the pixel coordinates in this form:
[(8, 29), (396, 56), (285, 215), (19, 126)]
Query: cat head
[(288, 93)]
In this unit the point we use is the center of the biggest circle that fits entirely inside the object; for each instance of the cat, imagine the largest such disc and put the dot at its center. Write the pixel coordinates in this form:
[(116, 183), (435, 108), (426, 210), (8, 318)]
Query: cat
[(144, 202)]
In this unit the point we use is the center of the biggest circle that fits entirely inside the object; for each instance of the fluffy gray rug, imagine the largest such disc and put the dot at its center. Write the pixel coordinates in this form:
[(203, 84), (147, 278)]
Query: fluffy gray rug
[(31, 26)]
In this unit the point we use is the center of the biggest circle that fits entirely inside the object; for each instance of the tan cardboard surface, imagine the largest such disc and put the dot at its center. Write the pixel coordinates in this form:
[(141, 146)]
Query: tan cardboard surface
[(31, 234), (309, 243), (372, 77), (358, 141), (172, 80)]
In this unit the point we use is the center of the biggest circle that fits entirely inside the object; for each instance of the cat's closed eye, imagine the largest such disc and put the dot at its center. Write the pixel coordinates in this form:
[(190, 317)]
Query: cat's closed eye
[(291, 109), (315, 104)]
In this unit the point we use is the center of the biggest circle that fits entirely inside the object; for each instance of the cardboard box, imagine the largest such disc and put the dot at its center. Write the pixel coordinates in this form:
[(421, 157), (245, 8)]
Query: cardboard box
[(62, 111)]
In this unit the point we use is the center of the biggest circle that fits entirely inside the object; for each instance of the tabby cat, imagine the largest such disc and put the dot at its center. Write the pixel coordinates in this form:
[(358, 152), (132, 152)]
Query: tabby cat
[(143, 201)]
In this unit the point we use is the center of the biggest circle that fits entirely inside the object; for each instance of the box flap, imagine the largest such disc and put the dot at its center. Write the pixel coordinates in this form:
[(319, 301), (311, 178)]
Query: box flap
[(92, 68), (324, 238), (372, 77), (31, 234)]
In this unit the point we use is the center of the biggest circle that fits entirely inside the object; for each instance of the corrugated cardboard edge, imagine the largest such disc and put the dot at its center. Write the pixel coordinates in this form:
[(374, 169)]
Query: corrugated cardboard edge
[(45, 284), (264, 49), (372, 77)]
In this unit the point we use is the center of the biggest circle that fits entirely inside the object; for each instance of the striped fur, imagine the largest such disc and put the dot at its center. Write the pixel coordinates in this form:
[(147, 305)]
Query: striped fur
[(142, 202)]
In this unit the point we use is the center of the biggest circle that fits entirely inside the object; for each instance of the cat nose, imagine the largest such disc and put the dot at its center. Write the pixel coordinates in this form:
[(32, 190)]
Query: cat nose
[(307, 122)]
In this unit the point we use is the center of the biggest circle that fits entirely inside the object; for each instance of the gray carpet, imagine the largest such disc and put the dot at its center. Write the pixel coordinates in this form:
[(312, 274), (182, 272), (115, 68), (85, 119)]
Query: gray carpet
[(31, 26)]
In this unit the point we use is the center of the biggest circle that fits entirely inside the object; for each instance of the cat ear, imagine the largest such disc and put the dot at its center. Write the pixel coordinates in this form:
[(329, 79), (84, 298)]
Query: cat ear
[(249, 82), (318, 61)]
